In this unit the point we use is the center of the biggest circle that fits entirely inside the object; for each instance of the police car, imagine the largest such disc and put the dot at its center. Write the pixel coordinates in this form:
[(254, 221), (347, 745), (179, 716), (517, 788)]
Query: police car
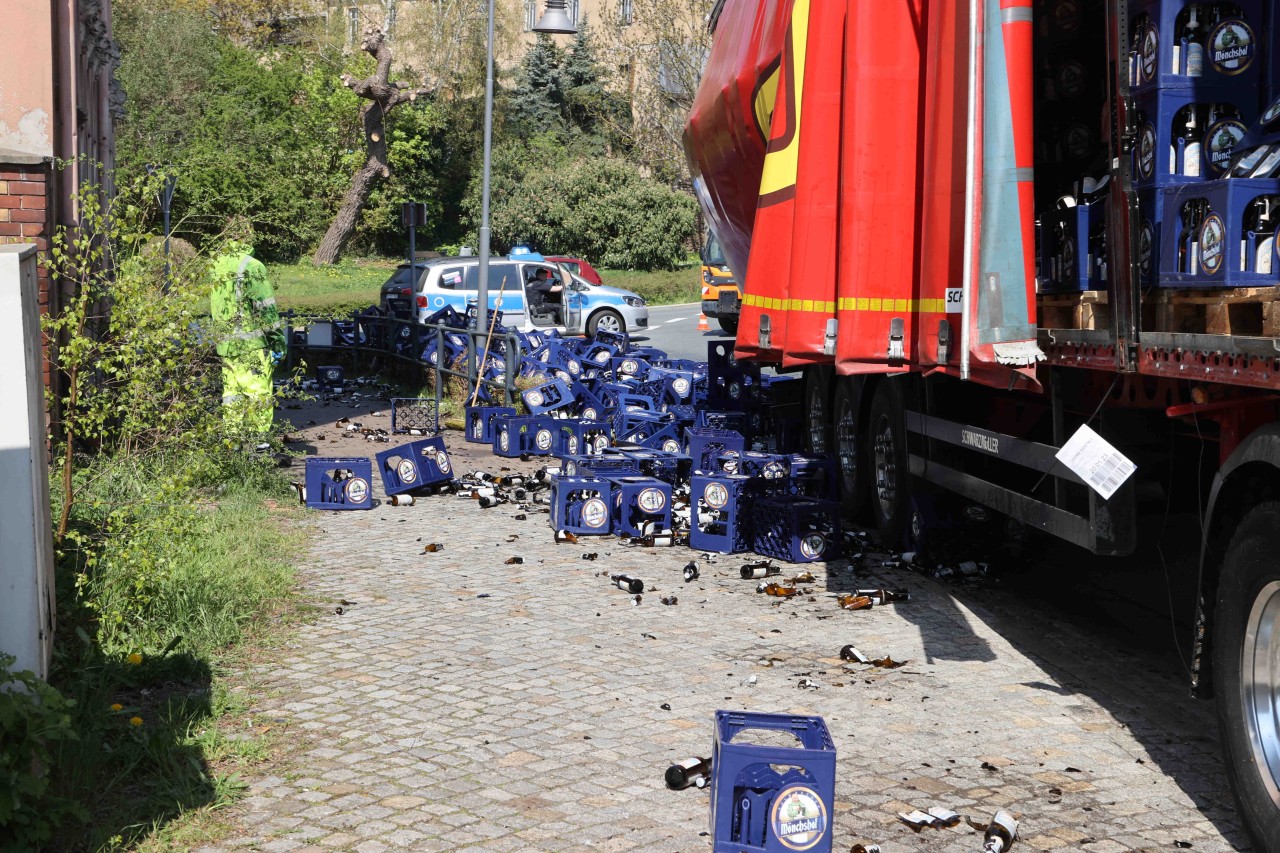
[(579, 308)]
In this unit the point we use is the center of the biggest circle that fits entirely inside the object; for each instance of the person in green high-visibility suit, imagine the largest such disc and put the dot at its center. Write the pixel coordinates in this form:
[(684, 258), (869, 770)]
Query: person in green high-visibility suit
[(251, 338)]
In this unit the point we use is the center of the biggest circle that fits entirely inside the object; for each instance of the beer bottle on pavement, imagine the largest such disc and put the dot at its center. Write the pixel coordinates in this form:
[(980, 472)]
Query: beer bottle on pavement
[(691, 771), (630, 584)]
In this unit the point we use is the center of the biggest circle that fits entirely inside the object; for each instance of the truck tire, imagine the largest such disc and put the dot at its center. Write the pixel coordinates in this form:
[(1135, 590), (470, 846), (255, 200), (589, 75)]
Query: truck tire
[(848, 445), (1246, 651), (817, 410), (890, 478), (728, 324), (608, 318)]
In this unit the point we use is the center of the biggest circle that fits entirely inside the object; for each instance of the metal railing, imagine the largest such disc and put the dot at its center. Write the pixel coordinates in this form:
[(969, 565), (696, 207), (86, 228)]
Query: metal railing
[(405, 340)]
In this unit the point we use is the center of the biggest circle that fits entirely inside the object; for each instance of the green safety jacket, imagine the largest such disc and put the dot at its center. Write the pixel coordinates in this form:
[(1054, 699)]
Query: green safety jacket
[(243, 306)]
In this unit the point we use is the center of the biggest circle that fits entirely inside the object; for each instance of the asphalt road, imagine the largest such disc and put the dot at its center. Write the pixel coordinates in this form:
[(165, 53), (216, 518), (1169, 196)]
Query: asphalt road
[(674, 328)]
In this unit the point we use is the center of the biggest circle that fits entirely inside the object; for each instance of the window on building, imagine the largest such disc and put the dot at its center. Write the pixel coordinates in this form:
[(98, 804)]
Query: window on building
[(626, 12), (530, 14)]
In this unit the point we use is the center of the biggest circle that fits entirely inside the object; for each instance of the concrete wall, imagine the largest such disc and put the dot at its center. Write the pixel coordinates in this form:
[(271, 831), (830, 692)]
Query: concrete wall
[(26, 78), (26, 552)]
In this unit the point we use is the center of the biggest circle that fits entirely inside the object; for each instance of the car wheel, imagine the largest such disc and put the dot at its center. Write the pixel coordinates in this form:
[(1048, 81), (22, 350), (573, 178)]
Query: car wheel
[(887, 453), (1246, 669), (606, 320), (728, 324)]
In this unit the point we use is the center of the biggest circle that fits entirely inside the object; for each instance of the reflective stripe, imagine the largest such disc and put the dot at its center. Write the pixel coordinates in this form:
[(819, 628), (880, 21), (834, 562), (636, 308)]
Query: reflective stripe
[(264, 303), (1016, 15), (247, 336), (893, 306), (244, 264), (228, 399)]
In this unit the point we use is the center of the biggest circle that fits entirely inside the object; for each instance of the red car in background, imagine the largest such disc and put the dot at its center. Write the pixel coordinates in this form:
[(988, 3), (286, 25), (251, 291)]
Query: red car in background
[(578, 266)]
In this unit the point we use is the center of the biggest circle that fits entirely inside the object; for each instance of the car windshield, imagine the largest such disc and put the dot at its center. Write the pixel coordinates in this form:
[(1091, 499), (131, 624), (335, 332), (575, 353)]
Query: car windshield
[(712, 254)]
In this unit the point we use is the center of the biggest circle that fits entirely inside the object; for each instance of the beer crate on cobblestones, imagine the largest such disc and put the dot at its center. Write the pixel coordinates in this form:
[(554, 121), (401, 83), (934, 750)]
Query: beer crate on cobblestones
[(517, 436), (719, 504), (481, 421), (339, 482), (414, 466), (767, 798), (641, 505), (795, 529), (581, 505)]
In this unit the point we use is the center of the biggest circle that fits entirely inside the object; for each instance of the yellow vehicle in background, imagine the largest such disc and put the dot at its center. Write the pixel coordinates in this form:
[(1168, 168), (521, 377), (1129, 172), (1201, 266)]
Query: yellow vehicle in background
[(721, 297)]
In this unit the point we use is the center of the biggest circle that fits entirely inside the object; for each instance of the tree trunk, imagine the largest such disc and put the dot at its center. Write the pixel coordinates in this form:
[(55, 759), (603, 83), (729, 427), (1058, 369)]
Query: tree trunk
[(383, 96)]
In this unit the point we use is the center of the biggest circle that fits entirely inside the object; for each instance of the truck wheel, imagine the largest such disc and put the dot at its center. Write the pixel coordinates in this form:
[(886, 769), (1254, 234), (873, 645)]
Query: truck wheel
[(607, 320), (1246, 667), (728, 324), (846, 441), (887, 454), (817, 414)]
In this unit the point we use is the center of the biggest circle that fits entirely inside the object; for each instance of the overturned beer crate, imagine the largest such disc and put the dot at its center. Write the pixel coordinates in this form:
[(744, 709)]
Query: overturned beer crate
[(339, 482)]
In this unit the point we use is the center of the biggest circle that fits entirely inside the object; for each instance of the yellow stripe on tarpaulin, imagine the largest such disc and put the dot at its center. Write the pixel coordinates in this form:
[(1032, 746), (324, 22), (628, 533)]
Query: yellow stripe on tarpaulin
[(847, 303)]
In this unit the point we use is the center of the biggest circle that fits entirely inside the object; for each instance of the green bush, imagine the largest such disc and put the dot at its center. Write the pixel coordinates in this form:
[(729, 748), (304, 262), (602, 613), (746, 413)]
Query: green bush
[(33, 718)]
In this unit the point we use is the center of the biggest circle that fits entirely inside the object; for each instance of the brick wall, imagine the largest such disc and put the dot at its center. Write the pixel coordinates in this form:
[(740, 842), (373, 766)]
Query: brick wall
[(25, 191)]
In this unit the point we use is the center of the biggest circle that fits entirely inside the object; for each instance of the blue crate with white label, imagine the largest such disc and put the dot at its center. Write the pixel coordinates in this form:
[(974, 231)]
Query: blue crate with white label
[(414, 466), (1150, 216), (339, 482), (581, 505), (795, 529), (641, 505), (720, 513), (1188, 136), (768, 798), (532, 435), (1185, 44), (629, 367), (579, 435), (547, 397), (1212, 236), (588, 405), (611, 461), (481, 420), (1072, 251), (769, 471), (330, 376), (707, 443)]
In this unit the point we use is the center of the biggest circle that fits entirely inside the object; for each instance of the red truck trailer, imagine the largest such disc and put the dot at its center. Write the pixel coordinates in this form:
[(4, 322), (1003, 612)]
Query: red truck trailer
[(981, 226)]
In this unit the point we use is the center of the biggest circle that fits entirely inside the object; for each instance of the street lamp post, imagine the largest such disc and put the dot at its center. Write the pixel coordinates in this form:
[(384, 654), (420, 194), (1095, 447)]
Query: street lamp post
[(555, 21), (170, 183)]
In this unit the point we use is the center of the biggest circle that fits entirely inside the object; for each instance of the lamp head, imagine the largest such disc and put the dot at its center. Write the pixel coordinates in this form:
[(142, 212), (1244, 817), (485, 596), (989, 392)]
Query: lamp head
[(555, 20)]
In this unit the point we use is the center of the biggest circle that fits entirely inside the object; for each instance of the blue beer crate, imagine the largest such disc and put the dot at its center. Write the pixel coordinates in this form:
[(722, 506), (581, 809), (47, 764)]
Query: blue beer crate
[(529, 434), (581, 505), (547, 397), (587, 403), (795, 529), (415, 465), (756, 808), (710, 419), (1160, 154), (707, 443), (1150, 216), (609, 462), (330, 376), (1230, 50), (629, 367), (1217, 251), (579, 435), (769, 471), (813, 477), (414, 413), (641, 505), (720, 515), (481, 420), (671, 467), (1070, 249), (339, 482)]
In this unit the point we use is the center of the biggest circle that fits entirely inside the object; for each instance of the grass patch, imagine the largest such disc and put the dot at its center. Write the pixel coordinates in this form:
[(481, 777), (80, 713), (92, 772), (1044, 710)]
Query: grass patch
[(355, 284), (147, 651)]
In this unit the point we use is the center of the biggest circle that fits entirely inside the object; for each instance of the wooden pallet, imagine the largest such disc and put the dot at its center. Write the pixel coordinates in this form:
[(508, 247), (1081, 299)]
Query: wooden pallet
[(1243, 311), (1088, 309)]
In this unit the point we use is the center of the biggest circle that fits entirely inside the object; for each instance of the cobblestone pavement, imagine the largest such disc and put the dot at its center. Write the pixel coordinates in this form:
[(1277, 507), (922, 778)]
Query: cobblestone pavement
[(463, 703)]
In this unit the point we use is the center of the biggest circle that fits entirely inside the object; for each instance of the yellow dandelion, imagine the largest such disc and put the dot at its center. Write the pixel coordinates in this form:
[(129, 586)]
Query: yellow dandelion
[(135, 721), (135, 658), (117, 707)]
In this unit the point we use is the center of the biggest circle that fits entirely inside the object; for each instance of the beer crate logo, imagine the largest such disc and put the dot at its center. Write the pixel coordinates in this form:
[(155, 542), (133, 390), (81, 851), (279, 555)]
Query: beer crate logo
[(1068, 259), (1071, 79), (1232, 47), (602, 356), (813, 546), (573, 443), (534, 398), (357, 490), (630, 366), (670, 445), (1212, 244), (652, 500), (1147, 151), (1146, 247), (798, 818), (1149, 56), (600, 442), (681, 386), (774, 471), (1221, 143), (442, 461), (543, 439), (407, 470), (595, 513), (716, 495), (574, 366), (590, 414), (478, 428), (504, 440)]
